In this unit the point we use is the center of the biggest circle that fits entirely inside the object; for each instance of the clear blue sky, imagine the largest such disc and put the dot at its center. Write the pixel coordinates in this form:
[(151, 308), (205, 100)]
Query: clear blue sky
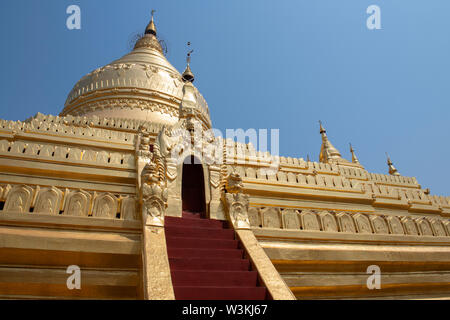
[(263, 64)]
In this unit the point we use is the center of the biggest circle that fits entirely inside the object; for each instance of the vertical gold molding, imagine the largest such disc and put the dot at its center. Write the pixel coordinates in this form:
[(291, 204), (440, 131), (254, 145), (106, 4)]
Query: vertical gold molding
[(152, 185), (237, 204), (266, 270), (156, 269)]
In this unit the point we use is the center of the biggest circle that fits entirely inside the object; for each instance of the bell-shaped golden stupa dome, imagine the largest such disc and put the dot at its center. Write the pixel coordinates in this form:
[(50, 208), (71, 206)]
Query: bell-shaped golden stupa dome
[(141, 85)]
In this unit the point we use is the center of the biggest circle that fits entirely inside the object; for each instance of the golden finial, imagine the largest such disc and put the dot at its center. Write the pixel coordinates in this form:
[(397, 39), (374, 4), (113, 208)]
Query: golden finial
[(392, 170), (151, 28), (354, 158), (187, 74)]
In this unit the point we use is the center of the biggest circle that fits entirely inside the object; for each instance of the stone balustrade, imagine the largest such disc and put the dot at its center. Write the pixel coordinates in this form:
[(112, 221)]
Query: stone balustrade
[(94, 121), (62, 153), (393, 180), (353, 173), (109, 129), (298, 179)]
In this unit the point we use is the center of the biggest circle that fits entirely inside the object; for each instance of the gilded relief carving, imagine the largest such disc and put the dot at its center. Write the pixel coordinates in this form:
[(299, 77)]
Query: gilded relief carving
[(290, 219), (395, 225), (410, 226), (237, 204), (309, 220), (329, 223), (154, 192), (362, 223), (254, 217), (438, 228), (424, 227), (447, 226), (128, 209), (346, 223), (48, 201), (51, 200), (271, 217), (77, 204), (105, 206), (379, 224), (19, 199)]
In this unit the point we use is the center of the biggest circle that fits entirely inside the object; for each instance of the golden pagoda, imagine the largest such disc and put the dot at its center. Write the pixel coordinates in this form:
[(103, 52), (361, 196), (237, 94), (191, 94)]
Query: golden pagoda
[(108, 187)]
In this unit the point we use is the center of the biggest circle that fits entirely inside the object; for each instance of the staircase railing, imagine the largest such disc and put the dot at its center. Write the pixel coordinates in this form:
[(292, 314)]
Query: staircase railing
[(236, 203)]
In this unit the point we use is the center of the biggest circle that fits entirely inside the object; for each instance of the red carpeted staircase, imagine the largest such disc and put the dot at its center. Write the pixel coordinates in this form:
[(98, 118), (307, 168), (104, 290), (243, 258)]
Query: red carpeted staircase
[(206, 262)]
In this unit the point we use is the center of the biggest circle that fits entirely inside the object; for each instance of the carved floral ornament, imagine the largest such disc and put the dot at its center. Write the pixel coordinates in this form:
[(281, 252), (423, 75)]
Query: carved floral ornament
[(154, 199), (143, 143), (154, 192), (237, 203), (234, 183)]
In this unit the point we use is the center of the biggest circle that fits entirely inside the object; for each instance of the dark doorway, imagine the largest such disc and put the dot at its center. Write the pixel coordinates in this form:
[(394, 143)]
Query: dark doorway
[(193, 187)]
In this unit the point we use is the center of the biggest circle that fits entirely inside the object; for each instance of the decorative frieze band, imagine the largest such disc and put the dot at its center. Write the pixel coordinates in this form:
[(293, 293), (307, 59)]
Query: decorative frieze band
[(69, 202), (128, 103), (357, 223)]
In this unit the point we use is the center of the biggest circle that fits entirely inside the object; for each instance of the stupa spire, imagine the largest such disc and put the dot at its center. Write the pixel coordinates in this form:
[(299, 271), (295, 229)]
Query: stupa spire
[(322, 130), (392, 170), (149, 40), (328, 152), (354, 158), (151, 28)]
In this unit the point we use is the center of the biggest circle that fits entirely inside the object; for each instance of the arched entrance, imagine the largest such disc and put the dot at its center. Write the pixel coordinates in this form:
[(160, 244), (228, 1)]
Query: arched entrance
[(193, 186)]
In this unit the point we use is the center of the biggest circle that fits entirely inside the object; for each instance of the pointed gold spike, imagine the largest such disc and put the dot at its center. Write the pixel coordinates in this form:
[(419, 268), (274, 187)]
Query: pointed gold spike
[(328, 153), (322, 130), (392, 170), (151, 28), (354, 158)]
